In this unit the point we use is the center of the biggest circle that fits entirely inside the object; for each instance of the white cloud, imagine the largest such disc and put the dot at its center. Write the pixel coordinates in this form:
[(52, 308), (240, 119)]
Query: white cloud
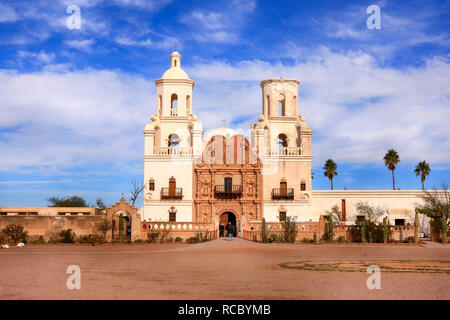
[(165, 43), (7, 14), (356, 108), (40, 56), (222, 25), (57, 121), (80, 44)]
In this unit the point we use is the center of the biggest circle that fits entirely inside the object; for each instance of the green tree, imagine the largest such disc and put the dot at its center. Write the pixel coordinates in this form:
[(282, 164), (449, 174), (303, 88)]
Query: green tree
[(100, 204), (422, 169), (120, 226), (289, 228), (371, 213), (391, 159), (330, 168), (335, 213), (73, 201), (436, 205), (263, 231)]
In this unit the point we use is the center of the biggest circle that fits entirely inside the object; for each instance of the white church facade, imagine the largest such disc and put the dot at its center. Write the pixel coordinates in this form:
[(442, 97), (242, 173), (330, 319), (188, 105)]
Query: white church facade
[(227, 177)]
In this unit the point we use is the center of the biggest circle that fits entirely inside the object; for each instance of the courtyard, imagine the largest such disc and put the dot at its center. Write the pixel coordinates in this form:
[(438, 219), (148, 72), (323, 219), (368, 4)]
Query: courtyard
[(218, 269)]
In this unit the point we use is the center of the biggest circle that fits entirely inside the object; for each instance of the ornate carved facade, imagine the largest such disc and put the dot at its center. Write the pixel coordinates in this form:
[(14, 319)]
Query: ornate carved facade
[(227, 178)]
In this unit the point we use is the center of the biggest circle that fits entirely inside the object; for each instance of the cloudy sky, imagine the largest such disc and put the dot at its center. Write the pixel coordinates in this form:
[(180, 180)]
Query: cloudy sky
[(73, 102)]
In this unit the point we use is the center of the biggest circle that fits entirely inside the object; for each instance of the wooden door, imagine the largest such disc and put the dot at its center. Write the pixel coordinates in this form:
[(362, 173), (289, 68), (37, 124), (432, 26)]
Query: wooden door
[(172, 187), (283, 188)]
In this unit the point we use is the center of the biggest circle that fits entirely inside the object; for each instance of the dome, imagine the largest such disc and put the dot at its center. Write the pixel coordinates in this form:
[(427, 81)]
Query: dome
[(223, 131), (175, 71)]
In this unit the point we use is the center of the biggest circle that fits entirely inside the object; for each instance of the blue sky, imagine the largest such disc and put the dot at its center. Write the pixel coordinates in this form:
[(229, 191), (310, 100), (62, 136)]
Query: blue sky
[(73, 102)]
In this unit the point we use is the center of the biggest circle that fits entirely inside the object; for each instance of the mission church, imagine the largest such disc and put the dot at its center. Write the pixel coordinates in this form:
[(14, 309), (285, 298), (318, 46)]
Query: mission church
[(195, 182), (227, 177)]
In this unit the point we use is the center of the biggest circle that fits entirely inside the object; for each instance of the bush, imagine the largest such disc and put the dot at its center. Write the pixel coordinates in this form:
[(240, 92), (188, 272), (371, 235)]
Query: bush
[(341, 239), (40, 240), (152, 237), (274, 238), (374, 231), (304, 240), (178, 239), (170, 239), (289, 228), (67, 236), (192, 240), (15, 233), (4, 239)]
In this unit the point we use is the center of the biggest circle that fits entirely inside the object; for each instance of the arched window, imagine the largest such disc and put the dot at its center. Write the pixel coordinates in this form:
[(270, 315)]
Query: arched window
[(268, 105), (173, 104), (281, 106), (174, 140), (282, 141), (160, 104)]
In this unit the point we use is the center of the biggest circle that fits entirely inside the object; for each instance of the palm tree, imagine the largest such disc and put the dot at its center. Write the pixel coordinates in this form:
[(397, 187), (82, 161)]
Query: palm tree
[(330, 170), (391, 159), (422, 169)]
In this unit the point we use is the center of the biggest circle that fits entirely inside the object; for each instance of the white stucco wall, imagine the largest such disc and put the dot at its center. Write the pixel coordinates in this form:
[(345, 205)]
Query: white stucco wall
[(400, 203)]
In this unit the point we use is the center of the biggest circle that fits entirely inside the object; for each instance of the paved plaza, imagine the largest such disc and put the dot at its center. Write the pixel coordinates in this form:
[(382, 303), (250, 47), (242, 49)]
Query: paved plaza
[(219, 269)]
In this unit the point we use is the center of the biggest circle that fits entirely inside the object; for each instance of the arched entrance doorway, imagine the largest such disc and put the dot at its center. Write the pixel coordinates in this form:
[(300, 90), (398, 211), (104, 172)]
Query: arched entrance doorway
[(225, 218), (121, 226)]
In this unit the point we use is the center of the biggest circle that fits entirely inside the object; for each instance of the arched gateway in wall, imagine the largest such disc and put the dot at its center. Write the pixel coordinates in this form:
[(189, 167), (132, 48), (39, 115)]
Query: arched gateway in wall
[(227, 182), (131, 221)]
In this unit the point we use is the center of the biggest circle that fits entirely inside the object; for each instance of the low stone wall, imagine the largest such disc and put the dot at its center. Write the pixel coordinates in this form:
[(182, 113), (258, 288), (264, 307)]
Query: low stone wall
[(306, 230), (47, 226), (184, 230)]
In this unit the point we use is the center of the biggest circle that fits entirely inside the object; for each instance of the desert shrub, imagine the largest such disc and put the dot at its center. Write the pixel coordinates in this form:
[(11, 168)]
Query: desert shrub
[(4, 239), (192, 240), (305, 240), (152, 237), (170, 239), (103, 227), (374, 231), (289, 228), (40, 240), (178, 239), (67, 236), (129, 241), (263, 231), (83, 239), (139, 241), (341, 239), (16, 233), (274, 238)]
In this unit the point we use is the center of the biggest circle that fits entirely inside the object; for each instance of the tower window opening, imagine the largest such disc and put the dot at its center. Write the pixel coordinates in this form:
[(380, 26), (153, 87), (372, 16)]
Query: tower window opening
[(173, 104), (281, 106), (282, 141), (174, 141)]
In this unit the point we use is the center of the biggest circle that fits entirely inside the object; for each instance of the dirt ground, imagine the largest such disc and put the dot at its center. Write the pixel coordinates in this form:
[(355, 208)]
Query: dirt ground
[(219, 269)]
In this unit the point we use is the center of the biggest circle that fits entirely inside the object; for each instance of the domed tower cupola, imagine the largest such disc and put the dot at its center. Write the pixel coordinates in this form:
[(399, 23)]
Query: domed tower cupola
[(174, 90), (175, 71)]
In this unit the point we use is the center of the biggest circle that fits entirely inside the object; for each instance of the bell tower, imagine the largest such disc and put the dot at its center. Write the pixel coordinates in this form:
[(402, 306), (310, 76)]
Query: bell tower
[(282, 140), (172, 139)]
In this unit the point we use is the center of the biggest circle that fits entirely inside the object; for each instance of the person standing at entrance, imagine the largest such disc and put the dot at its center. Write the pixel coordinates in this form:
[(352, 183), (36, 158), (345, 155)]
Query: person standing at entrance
[(230, 231)]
